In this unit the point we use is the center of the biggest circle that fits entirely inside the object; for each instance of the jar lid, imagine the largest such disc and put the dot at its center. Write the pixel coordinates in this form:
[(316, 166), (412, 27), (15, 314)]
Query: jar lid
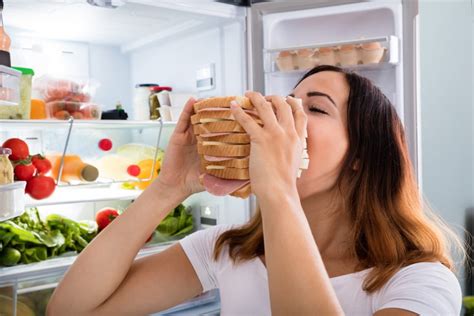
[(161, 88), (5, 151), (89, 173), (25, 71), (146, 85)]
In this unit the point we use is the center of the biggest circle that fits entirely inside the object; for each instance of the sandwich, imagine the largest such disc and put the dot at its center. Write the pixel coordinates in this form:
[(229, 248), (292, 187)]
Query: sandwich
[(224, 146)]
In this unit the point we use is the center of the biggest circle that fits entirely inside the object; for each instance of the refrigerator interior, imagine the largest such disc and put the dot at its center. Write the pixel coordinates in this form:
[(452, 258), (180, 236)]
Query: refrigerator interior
[(142, 41), (333, 27)]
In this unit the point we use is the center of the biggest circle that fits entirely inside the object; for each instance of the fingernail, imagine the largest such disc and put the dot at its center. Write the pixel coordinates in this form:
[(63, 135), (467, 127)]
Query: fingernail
[(234, 104)]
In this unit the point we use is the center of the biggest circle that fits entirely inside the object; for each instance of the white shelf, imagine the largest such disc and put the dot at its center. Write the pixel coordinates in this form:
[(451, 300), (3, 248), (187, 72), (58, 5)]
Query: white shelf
[(69, 195), (59, 265), (365, 67), (7, 125)]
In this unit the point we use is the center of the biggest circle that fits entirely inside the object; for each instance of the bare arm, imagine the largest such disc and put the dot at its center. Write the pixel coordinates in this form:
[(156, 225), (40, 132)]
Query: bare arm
[(105, 274), (104, 279), (298, 281)]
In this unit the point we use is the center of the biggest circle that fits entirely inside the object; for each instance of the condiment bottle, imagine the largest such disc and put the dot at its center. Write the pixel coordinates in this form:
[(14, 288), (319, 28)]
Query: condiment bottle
[(5, 42), (6, 168), (74, 169)]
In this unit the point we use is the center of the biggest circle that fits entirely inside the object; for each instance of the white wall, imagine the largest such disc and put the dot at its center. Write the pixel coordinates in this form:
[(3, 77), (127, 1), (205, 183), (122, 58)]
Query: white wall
[(174, 63), (446, 107), (111, 67)]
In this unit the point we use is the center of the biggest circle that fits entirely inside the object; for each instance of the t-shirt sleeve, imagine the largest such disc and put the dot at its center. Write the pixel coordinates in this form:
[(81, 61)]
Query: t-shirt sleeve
[(199, 248), (422, 288)]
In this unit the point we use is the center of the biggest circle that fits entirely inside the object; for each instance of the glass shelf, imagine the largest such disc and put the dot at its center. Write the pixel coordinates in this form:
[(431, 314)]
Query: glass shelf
[(69, 195), (7, 125)]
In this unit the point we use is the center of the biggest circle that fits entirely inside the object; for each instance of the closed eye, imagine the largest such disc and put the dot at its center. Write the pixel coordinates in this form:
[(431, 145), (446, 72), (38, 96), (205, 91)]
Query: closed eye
[(315, 109)]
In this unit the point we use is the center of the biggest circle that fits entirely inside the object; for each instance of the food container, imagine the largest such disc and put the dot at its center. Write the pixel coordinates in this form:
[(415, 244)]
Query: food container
[(285, 61), (51, 89), (159, 97), (304, 59), (25, 91), (141, 102), (165, 113), (327, 56), (12, 200), (63, 110), (10, 107), (371, 53), (348, 55)]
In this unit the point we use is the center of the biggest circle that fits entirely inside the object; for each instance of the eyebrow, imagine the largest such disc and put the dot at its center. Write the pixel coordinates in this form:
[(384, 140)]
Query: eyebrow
[(317, 94)]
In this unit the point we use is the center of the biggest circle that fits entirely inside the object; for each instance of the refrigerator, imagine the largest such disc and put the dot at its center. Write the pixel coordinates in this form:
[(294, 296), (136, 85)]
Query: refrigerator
[(203, 48)]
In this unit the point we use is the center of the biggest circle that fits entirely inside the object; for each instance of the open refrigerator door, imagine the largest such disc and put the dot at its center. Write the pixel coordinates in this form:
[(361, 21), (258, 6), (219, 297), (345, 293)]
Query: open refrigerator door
[(376, 39)]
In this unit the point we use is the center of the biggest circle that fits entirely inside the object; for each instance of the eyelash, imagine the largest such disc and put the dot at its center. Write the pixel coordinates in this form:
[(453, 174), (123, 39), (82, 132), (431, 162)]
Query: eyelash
[(318, 110)]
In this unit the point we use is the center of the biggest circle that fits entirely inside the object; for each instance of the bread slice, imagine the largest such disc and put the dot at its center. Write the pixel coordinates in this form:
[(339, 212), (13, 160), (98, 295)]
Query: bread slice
[(233, 163), (223, 102), (223, 150), (215, 116), (232, 138), (243, 192), (218, 127), (229, 173)]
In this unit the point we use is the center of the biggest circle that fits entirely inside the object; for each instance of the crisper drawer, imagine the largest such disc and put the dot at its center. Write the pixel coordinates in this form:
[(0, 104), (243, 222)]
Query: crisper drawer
[(27, 298)]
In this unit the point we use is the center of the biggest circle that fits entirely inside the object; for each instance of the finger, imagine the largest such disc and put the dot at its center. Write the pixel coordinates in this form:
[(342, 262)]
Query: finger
[(184, 121), (264, 108), (299, 116), (247, 122), (283, 110)]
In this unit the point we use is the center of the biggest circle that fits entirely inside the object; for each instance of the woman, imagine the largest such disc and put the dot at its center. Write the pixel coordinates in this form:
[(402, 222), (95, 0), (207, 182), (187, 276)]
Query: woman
[(348, 236)]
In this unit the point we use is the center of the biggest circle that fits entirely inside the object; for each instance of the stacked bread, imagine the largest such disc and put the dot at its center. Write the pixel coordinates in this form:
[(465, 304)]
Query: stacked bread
[(224, 146)]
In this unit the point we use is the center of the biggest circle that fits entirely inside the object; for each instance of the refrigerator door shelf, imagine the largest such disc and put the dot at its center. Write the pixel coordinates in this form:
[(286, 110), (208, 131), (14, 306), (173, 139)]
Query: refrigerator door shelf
[(353, 54)]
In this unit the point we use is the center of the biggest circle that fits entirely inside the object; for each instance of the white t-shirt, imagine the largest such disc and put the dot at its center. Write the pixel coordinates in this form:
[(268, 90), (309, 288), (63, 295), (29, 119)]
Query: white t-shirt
[(424, 288)]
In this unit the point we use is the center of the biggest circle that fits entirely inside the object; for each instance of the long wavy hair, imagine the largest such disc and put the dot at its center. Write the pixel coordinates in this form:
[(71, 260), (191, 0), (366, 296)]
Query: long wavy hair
[(390, 228)]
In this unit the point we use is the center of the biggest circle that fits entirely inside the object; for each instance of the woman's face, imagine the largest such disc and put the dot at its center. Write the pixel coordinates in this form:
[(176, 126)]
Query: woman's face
[(325, 97)]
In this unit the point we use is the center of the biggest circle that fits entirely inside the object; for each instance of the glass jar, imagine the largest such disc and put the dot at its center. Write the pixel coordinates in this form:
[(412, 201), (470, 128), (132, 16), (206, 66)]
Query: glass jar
[(6, 168), (25, 92)]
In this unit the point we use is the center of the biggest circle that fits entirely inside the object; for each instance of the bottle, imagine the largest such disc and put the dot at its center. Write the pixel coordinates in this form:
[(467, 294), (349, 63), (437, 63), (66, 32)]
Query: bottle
[(5, 41), (6, 168), (74, 169), (141, 97)]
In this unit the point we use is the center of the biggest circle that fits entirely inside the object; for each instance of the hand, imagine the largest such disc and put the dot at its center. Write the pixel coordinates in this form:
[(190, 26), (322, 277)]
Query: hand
[(180, 168), (276, 148)]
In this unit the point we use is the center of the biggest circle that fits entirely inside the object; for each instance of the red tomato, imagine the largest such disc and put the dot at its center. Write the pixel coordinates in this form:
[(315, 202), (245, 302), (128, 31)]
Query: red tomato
[(19, 149), (42, 164), (105, 216), (24, 171), (40, 187)]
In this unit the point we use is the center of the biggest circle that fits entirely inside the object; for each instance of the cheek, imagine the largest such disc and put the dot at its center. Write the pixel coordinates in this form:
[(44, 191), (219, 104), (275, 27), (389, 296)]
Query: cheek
[(327, 145)]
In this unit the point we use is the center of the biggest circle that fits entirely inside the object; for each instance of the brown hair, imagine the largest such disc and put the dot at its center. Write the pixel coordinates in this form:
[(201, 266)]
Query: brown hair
[(390, 229)]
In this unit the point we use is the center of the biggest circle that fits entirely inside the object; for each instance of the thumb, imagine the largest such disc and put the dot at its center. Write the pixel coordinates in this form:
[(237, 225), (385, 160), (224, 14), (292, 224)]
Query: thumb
[(247, 122)]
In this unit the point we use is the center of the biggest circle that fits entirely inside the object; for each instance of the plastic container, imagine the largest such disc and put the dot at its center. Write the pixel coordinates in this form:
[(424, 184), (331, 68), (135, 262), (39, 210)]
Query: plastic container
[(304, 59), (141, 101), (10, 93), (51, 89), (63, 110), (25, 91), (159, 97), (12, 200), (6, 167)]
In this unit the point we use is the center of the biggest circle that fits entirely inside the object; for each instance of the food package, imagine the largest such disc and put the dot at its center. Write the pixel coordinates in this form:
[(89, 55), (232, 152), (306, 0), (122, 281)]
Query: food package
[(51, 89), (63, 110)]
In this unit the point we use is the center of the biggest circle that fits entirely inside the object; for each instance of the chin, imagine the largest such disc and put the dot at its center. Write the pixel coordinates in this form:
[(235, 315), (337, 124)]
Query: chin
[(308, 185)]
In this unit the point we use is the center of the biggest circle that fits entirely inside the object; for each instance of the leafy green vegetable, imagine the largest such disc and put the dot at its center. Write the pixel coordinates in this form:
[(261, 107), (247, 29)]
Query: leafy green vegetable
[(36, 240), (178, 222)]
